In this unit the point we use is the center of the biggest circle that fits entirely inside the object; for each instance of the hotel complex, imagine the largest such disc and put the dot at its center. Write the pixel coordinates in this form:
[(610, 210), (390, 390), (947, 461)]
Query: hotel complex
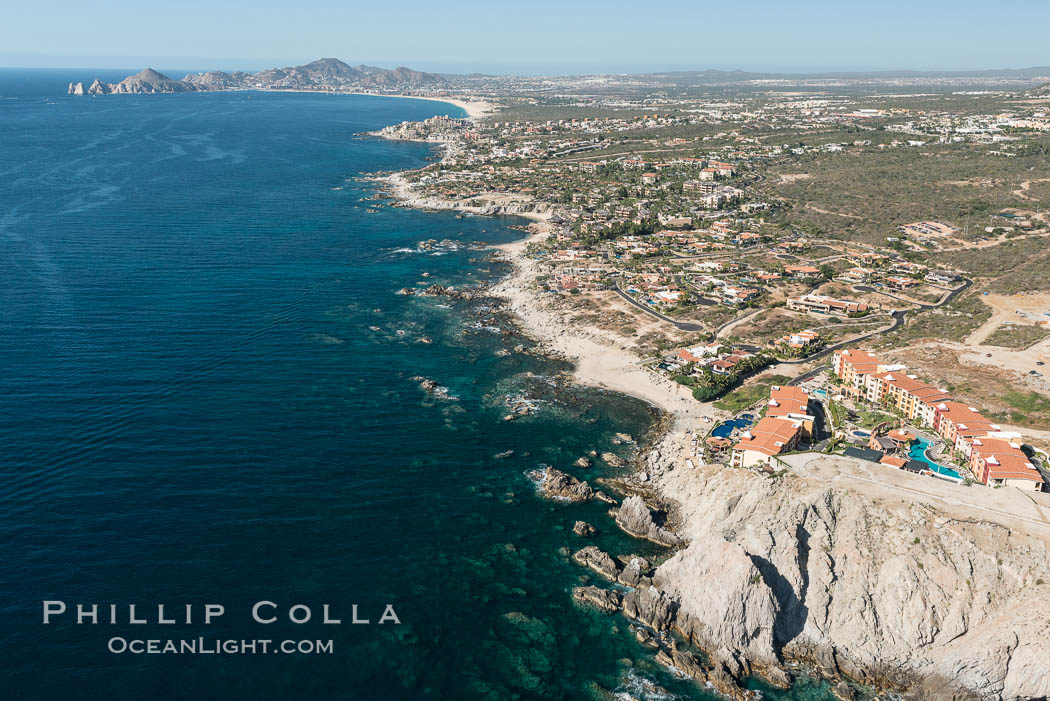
[(993, 455)]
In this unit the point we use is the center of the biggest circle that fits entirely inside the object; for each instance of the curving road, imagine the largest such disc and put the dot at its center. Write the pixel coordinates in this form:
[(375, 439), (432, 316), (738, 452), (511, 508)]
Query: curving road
[(944, 300), (681, 325), (898, 319)]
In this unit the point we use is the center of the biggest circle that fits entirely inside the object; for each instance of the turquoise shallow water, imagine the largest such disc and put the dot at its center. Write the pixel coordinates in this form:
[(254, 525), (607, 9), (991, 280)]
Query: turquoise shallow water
[(197, 409)]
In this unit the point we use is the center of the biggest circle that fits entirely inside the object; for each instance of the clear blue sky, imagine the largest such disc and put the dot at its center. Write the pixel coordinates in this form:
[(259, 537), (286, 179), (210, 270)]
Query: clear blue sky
[(536, 36)]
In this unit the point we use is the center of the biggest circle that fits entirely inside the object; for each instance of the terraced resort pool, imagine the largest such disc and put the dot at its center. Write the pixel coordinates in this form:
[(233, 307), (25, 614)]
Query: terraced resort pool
[(918, 452), (726, 428)]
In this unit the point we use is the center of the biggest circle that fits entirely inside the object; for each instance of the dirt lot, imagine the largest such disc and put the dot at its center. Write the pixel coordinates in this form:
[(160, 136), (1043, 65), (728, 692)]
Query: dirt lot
[(999, 386), (1004, 309), (620, 321)]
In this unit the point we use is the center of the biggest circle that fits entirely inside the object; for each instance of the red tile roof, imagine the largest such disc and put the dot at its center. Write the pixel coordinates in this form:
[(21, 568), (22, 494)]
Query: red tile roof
[(769, 436)]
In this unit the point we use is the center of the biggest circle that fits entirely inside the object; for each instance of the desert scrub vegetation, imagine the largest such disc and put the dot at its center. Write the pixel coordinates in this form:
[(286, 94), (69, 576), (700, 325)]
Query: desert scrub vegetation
[(743, 397), (952, 322), (1012, 262), (864, 194), (1015, 336)]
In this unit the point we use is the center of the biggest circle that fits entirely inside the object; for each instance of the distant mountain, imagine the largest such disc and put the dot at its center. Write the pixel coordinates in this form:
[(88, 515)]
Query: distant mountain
[(322, 74)]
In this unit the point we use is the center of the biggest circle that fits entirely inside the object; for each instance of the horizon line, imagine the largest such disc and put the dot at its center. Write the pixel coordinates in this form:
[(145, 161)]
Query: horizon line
[(670, 70)]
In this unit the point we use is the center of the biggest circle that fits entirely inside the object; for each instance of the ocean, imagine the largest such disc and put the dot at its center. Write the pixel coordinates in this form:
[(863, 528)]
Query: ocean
[(210, 394)]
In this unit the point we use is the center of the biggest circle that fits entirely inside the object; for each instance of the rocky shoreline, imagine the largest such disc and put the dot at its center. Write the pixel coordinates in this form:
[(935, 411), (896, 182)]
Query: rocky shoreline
[(877, 595)]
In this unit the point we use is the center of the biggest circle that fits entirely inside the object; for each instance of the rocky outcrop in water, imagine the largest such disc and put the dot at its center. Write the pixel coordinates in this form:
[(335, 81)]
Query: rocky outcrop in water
[(150, 81), (657, 615), (628, 570), (634, 517), (432, 388), (583, 529), (598, 561), (608, 600), (556, 484)]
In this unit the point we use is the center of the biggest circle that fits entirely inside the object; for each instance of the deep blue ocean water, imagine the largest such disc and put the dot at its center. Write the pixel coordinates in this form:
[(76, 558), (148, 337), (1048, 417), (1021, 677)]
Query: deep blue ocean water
[(195, 408)]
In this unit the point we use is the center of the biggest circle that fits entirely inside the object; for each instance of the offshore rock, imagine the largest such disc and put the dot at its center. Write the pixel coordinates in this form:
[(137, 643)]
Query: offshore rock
[(556, 484), (584, 529), (606, 600), (634, 517), (613, 460), (598, 561), (634, 572)]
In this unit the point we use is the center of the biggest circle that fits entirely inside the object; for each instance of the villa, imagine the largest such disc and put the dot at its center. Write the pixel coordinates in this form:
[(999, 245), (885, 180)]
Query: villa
[(819, 304)]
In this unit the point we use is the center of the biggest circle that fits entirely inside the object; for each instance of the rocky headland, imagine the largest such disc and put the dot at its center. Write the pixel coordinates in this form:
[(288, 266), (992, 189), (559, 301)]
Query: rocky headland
[(325, 74)]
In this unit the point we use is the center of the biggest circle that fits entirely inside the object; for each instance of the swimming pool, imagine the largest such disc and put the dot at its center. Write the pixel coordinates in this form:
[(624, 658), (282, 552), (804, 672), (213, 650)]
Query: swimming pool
[(862, 434), (918, 452), (725, 429)]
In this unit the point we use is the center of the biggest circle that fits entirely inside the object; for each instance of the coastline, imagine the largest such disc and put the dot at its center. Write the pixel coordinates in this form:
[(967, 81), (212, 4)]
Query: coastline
[(475, 109), (598, 363), (744, 587)]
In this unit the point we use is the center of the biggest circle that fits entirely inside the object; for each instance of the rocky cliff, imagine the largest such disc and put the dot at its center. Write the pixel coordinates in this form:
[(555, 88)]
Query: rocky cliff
[(887, 592), (146, 81)]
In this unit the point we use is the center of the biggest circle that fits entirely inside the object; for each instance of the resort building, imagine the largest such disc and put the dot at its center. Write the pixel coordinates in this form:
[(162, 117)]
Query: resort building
[(851, 365), (792, 404), (788, 420), (765, 440), (908, 395), (993, 455), (996, 461), (799, 340)]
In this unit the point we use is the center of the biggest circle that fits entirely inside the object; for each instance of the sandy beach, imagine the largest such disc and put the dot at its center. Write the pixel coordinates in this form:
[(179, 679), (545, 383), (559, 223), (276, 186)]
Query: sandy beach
[(598, 362), (475, 108)]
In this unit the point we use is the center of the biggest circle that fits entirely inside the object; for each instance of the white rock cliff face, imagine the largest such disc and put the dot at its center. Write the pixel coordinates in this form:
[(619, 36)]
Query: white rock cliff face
[(879, 589)]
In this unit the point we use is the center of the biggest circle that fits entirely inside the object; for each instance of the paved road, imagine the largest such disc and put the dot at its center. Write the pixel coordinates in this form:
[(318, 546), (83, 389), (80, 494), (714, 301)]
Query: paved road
[(944, 300), (807, 375), (681, 325), (898, 319)]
